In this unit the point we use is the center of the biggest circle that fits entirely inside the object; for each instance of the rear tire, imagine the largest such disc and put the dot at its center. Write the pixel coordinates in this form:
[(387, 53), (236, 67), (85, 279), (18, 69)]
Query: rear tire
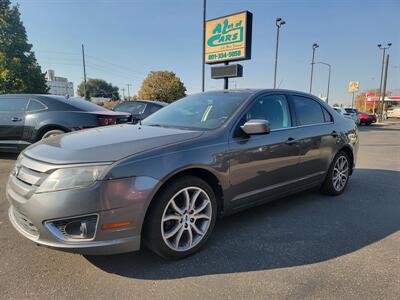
[(51, 133), (338, 175), (173, 229)]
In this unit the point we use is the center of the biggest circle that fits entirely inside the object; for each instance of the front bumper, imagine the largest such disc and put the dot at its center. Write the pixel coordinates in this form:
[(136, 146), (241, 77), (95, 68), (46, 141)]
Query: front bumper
[(112, 201)]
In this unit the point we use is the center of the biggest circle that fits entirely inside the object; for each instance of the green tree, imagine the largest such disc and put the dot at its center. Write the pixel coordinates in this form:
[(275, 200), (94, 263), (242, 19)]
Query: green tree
[(162, 85), (98, 88), (19, 70)]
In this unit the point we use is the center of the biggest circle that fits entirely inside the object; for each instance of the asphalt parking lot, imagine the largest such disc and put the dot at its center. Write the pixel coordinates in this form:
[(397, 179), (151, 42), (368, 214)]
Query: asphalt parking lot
[(305, 246)]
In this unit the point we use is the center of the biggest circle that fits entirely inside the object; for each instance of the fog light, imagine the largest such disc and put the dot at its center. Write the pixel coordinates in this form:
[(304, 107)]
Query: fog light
[(81, 228)]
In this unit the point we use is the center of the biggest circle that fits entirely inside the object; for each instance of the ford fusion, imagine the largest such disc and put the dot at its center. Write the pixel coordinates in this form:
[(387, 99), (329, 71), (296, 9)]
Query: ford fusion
[(163, 183)]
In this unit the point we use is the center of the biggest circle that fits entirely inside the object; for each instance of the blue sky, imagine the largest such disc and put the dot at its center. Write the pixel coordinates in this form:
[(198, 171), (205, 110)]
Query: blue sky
[(124, 40)]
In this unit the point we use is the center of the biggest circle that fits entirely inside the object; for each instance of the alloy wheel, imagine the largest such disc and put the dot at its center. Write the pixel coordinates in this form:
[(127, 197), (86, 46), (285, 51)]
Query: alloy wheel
[(186, 218), (340, 173)]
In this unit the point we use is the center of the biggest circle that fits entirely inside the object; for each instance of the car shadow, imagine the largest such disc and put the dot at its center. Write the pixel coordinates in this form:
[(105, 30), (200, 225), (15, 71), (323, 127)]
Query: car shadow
[(8, 156), (299, 230)]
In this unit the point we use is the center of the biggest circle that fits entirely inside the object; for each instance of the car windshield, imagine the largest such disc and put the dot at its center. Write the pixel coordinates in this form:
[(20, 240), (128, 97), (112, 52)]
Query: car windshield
[(135, 108), (200, 111), (349, 110)]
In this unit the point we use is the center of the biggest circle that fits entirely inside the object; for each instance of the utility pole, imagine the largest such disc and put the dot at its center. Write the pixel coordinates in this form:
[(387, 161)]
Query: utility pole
[(84, 71), (203, 66), (129, 94), (383, 63), (384, 85), (123, 93), (278, 22), (314, 46)]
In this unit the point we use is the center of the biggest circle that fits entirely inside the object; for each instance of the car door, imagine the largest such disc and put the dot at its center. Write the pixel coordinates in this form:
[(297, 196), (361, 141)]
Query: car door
[(12, 119), (262, 165), (315, 130)]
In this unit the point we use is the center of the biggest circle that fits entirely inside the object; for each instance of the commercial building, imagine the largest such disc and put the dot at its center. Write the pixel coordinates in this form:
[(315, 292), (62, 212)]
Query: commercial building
[(59, 85)]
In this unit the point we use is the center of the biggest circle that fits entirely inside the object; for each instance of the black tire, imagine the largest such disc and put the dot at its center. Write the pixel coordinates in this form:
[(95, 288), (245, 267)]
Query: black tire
[(152, 233), (327, 186), (369, 123), (51, 133)]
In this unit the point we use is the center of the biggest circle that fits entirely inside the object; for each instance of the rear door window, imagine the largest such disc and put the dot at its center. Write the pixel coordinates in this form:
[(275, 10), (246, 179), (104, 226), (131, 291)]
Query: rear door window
[(13, 104), (308, 111)]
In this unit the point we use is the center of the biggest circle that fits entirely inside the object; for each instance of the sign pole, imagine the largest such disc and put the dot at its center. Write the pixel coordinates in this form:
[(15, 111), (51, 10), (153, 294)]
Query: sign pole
[(204, 46), (226, 79)]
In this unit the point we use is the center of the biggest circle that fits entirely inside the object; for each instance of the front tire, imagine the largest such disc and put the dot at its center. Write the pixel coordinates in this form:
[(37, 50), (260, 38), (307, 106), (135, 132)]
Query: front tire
[(51, 133), (182, 218), (338, 175)]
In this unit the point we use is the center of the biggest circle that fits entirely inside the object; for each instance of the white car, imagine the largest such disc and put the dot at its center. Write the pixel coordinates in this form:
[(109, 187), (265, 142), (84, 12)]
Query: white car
[(349, 113), (393, 112)]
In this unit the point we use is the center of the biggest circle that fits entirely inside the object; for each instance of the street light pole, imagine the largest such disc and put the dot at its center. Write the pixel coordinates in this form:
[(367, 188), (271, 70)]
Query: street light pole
[(314, 46), (383, 63), (329, 78), (278, 22)]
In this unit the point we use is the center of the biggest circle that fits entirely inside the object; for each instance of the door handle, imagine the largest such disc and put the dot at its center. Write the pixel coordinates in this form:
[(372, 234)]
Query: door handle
[(16, 119), (334, 134), (291, 141)]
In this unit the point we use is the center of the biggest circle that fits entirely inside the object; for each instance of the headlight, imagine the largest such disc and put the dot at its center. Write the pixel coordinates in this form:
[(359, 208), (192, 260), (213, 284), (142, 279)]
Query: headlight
[(71, 178)]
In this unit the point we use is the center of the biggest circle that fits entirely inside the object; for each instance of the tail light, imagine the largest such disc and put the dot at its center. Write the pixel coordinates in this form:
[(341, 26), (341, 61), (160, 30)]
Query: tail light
[(107, 121)]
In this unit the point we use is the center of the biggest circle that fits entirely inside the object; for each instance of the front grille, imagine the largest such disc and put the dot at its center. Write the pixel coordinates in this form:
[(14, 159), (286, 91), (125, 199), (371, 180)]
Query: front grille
[(28, 175), (25, 224)]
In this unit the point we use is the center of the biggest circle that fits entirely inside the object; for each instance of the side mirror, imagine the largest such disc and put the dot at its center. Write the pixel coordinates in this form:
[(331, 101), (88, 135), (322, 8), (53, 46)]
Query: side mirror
[(256, 126)]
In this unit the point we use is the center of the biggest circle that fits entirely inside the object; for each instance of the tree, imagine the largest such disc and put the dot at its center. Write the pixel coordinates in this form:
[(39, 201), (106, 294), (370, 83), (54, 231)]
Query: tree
[(162, 85), (98, 88), (19, 70)]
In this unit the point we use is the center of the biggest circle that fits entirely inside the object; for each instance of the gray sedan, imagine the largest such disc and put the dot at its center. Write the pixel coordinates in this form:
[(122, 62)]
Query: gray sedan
[(163, 183)]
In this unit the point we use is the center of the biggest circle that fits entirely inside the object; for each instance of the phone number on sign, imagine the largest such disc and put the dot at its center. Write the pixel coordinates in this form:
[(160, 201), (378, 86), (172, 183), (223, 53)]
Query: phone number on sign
[(224, 55)]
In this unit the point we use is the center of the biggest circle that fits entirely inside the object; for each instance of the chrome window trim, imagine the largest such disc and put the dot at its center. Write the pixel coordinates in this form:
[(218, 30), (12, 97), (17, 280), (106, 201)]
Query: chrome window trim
[(301, 126)]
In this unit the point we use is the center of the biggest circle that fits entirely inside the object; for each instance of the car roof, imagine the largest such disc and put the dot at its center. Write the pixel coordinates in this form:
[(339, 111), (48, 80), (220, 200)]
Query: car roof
[(37, 96)]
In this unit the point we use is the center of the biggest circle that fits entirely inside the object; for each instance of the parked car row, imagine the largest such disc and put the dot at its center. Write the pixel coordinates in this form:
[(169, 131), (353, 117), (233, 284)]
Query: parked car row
[(26, 119), (359, 118), (349, 113)]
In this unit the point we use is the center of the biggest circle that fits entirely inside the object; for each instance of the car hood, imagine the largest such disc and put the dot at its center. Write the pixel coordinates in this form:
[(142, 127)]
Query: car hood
[(105, 144)]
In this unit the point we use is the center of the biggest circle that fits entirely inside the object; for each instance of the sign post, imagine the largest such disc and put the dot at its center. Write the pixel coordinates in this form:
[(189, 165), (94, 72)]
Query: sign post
[(354, 86), (228, 39)]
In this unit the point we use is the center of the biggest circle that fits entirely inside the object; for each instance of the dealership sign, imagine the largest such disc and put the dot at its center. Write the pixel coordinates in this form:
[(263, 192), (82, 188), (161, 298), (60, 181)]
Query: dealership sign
[(228, 38), (354, 86)]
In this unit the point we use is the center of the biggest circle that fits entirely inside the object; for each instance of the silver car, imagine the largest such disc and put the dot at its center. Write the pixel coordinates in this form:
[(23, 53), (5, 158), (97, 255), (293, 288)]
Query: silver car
[(163, 183), (349, 113)]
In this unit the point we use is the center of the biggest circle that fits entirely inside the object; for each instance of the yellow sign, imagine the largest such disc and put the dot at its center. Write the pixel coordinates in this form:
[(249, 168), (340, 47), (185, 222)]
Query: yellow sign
[(354, 86), (228, 38)]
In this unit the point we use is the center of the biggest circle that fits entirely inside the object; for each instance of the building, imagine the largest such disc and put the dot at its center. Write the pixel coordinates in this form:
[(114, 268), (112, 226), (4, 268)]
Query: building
[(372, 102), (59, 85)]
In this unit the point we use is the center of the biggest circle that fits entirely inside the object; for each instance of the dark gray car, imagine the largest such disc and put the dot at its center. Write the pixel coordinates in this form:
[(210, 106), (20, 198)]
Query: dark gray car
[(28, 118), (163, 183)]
